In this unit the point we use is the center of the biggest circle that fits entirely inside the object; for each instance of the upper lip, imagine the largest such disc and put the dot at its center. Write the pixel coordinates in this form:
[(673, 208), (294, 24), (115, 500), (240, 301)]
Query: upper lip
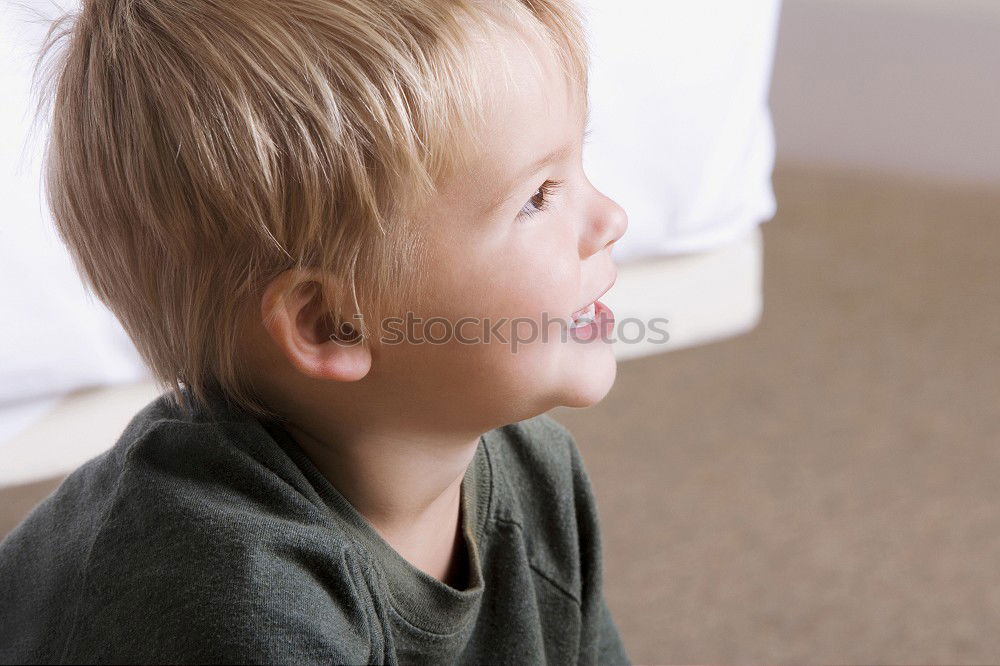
[(601, 293)]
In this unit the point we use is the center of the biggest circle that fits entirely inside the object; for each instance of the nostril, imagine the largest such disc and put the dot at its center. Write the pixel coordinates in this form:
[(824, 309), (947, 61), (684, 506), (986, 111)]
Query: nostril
[(618, 229)]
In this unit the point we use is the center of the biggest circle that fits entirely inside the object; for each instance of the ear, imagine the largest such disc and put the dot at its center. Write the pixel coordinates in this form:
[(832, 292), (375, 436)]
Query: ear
[(313, 339)]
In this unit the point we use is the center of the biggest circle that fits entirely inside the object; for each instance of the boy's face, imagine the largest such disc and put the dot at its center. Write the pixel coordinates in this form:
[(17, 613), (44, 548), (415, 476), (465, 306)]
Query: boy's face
[(509, 242)]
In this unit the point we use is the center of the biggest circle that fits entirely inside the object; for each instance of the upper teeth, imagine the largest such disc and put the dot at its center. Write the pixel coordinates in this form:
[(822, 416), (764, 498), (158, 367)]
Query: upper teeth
[(585, 316)]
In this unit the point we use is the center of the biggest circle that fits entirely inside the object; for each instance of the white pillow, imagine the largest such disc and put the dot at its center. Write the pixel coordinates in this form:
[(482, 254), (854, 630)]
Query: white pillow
[(682, 136)]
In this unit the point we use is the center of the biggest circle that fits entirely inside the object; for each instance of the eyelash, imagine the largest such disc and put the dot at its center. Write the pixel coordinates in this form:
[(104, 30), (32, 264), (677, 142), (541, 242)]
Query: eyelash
[(547, 190)]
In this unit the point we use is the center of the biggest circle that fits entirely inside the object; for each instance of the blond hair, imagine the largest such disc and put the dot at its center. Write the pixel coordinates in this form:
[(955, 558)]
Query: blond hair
[(199, 148)]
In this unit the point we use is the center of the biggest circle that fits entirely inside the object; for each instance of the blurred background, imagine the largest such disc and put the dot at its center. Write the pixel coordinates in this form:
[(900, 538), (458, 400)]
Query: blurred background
[(807, 471), (824, 488)]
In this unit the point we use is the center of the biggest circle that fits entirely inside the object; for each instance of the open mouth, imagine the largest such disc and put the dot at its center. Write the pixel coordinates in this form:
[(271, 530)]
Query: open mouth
[(592, 322), (594, 318), (584, 316)]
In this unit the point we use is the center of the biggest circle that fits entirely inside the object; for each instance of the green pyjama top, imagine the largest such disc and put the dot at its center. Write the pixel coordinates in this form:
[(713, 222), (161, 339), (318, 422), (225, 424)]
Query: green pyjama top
[(210, 537)]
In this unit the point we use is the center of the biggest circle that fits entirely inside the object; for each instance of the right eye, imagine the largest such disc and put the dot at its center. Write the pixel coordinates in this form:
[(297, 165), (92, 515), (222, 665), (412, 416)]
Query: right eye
[(541, 200)]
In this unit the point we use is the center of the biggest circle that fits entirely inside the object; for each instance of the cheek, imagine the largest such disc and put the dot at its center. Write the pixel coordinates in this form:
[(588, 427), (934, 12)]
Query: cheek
[(524, 279), (538, 277), (533, 274)]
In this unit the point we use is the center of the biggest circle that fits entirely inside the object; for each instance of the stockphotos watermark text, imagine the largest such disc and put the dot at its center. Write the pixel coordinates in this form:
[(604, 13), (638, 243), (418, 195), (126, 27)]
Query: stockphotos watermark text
[(516, 331)]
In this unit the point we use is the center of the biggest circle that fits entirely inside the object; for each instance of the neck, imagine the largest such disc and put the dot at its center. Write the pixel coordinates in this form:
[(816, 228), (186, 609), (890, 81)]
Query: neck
[(407, 486)]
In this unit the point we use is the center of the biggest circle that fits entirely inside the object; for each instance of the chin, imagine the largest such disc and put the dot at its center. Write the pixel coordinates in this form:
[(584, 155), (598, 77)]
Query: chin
[(590, 383)]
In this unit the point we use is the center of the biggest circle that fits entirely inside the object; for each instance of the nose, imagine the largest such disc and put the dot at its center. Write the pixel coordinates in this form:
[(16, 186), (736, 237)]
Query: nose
[(606, 224)]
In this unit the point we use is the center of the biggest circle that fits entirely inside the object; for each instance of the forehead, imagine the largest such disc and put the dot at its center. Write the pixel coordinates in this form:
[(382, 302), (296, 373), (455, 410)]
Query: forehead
[(528, 96), (531, 109)]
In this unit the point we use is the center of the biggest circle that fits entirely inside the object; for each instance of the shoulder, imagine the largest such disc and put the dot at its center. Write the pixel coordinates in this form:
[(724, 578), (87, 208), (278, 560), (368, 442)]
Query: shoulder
[(543, 489), (213, 592), (227, 469), (214, 528), (203, 542)]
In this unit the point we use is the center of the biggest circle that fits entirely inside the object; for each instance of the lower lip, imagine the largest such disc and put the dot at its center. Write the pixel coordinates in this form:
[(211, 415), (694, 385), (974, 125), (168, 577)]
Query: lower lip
[(602, 326)]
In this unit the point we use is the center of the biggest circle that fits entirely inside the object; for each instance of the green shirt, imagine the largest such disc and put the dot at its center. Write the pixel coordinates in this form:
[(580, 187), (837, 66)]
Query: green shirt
[(210, 537)]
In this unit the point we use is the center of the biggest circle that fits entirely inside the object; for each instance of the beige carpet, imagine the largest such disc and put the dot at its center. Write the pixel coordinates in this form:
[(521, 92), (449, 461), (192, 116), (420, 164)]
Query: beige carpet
[(826, 489)]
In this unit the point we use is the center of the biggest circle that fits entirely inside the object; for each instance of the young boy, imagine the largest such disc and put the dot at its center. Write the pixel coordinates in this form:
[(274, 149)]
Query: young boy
[(340, 232)]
